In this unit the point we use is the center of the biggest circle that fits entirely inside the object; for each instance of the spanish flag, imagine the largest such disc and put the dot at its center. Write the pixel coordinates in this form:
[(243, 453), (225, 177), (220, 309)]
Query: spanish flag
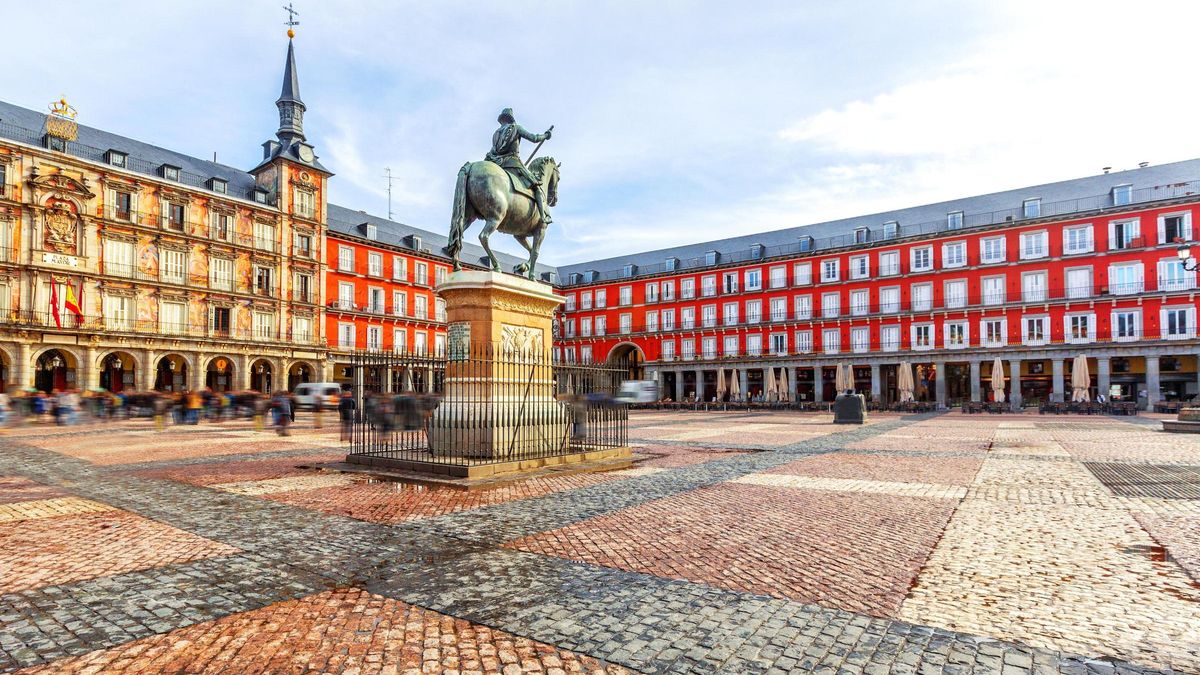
[(72, 303), (54, 302)]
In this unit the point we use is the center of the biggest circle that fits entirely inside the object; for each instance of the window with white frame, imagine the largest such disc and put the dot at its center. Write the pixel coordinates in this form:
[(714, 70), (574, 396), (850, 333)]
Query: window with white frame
[(1031, 208), (439, 277), (992, 250), (625, 296), (1178, 322), (860, 302), (264, 236), (920, 259), (1126, 325), (730, 346), (753, 311), (955, 335), (730, 313), (831, 270), (754, 279), (652, 292), (374, 264), (1077, 239), (421, 343), (889, 338), (801, 274), (860, 266), (1122, 195), (1172, 276), (345, 295), (375, 300), (778, 276), (831, 305), (1036, 330), (688, 349), (803, 307), (729, 283), (569, 303), (421, 276), (891, 229), (118, 258), (305, 203), (399, 303), (173, 267), (889, 263), (922, 336), (889, 300), (1123, 234), (992, 290), (220, 271), (668, 319), (345, 259), (831, 340), (1079, 328), (1033, 287), (173, 317), (779, 344), (585, 352), (954, 220), (708, 286), (1175, 226), (651, 322), (954, 254), (439, 309), (754, 344), (601, 326), (708, 316), (687, 318), (1079, 282), (421, 306), (585, 326), (955, 294), (860, 339), (1125, 278), (668, 350), (804, 342), (374, 338), (921, 297), (668, 291), (302, 329), (994, 332), (346, 336), (708, 347), (626, 323), (779, 309), (569, 327), (687, 288), (568, 355), (1035, 245), (601, 298), (399, 268)]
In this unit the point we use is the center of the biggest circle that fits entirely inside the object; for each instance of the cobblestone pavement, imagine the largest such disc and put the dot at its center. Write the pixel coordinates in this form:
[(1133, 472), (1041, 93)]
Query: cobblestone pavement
[(740, 542)]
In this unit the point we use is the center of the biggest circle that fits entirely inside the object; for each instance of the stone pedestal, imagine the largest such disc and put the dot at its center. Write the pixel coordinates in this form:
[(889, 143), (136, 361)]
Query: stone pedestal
[(499, 392), (850, 409), (1188, 422)]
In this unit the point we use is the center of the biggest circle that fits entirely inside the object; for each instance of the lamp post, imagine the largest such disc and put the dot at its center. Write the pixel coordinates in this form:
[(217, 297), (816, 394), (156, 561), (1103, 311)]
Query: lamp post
[(1189, 262)]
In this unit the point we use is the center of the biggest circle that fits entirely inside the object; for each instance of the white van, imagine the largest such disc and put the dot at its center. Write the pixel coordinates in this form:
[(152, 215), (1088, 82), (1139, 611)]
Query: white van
[(306, 394), (638, 391)]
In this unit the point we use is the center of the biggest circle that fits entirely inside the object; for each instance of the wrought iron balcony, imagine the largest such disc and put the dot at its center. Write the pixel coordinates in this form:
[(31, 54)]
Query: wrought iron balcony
[(68, 321)]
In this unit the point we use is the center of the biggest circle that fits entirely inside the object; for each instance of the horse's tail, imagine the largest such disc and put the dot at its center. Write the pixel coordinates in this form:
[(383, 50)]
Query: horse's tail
[(458, 218)]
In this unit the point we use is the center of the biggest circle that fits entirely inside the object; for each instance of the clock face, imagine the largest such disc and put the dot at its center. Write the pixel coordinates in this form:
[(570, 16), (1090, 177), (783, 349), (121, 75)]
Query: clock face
[(306, 153)]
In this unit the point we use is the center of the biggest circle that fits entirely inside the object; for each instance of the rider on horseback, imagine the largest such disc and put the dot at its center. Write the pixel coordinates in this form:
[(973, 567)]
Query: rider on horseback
[(506, 152)]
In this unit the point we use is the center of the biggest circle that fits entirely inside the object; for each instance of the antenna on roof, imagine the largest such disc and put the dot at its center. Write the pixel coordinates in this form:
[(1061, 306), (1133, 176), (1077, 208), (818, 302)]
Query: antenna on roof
[(387, 172)]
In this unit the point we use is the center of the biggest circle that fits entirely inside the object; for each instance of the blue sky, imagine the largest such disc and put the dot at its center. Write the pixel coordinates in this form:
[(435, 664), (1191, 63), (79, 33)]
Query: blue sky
[(675, 122)]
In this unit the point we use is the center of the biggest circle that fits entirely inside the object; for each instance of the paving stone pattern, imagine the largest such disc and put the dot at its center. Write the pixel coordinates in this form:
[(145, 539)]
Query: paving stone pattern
[(271, 568)]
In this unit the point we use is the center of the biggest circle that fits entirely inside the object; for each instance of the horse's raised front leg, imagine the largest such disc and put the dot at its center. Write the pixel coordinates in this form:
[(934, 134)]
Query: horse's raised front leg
[(488, 228), (533, 250)]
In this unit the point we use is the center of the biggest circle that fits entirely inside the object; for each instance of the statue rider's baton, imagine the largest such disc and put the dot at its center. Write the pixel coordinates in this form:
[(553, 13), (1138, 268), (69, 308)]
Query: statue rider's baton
[(538, 146)]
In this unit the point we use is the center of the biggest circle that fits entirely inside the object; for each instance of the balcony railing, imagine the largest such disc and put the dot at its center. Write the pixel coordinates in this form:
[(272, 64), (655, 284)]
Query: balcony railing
[(69, 321)]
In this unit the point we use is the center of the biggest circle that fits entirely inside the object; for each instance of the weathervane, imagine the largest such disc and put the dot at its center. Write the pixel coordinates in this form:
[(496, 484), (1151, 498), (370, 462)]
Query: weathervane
[(292, 14)]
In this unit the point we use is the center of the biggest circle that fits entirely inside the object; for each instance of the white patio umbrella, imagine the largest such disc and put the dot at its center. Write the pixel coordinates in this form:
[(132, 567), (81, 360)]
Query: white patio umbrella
[(408, 385), (904, 382), (847, 377), (839, 378), (770, 391), (1081, 380), (720, 383), (735, 384), (785, 387), (998, 380)]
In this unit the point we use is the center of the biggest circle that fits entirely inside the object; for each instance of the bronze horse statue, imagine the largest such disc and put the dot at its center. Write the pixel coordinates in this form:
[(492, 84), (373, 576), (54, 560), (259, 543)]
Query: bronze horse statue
[(485, 192)]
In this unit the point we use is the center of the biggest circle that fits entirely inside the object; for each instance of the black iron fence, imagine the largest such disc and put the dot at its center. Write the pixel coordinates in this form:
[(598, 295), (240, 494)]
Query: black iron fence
[(481, 406)]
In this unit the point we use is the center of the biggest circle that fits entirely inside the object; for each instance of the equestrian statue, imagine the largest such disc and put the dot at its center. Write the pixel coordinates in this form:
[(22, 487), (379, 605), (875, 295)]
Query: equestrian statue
[(505, 194)]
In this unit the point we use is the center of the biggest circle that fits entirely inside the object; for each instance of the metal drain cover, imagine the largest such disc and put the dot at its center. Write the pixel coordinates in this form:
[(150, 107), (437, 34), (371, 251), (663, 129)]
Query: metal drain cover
[(1163, 481)]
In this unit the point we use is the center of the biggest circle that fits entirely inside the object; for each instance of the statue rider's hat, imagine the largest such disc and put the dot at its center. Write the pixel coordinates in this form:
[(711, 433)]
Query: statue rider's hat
[(506, 116)]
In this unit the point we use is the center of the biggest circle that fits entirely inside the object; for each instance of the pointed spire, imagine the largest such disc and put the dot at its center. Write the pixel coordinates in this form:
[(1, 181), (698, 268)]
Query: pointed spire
[(291, 108)]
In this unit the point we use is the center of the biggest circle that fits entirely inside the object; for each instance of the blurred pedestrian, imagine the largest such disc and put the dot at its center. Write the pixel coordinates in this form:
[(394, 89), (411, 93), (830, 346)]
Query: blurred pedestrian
[(346, 408)]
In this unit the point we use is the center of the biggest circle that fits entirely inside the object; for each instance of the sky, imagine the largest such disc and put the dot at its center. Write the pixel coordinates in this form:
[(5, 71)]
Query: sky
[(675, 122)]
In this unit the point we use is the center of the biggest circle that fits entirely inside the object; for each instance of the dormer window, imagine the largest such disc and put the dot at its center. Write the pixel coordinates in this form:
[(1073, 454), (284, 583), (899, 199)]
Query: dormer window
[(169, 172), (414, 241), (629, 270), (55, 143), (1122, 195), (891, 229), (574, 278), (218, 185), (260, 195), (711, 258), (757, 251), (806, 244), (370, 231), (1031, 208), (592, 275), (861, 235), (672, 264), (117, 158), (954, 220)]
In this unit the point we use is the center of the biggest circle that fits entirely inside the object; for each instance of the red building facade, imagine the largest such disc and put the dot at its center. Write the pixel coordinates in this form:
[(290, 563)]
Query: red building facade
[(1035, 284)]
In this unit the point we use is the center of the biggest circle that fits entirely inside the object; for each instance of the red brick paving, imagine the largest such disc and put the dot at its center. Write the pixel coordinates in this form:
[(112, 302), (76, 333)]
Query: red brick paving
[(339, 631), (64, 549), (941, 470), (1179, 535), (675, 456), (113, 447), (390, 503), (855, 551), (236, 472), (18, 489)]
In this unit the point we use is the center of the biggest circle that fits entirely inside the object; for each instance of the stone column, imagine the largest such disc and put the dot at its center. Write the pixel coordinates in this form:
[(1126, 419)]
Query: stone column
[(939, 383), (1103, 375), (145, 379), (818, 383), (197, 371), (678, 386), (1152, 384), (975, 392), (876, 383), (241, 379), (1014, 373), (699, 384), (89, 374), (1057, 392), (793, 382), (744, 383), (23, 369)]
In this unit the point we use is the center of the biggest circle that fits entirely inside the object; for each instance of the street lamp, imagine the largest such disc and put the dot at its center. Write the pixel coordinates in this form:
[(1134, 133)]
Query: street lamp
[(1184, 251)]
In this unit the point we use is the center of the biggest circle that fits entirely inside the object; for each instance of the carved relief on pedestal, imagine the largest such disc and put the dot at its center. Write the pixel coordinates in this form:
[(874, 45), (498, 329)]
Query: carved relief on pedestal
[(521, 340)]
